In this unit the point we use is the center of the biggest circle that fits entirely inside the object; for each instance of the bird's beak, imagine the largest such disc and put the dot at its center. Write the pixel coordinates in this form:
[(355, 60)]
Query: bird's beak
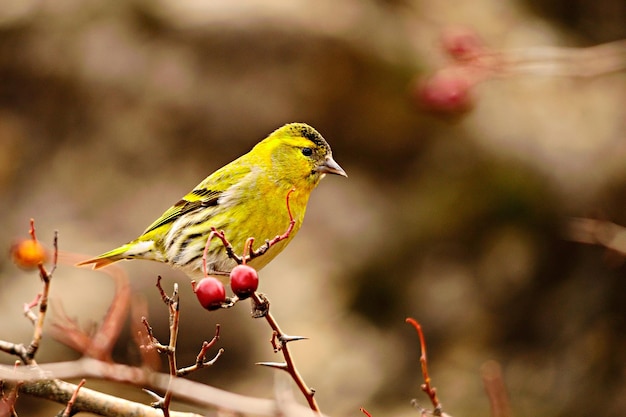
[(329, 166)]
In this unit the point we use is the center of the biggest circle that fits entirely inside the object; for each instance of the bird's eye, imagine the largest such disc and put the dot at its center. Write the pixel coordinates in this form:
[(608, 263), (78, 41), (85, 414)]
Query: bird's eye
[(307, 151)]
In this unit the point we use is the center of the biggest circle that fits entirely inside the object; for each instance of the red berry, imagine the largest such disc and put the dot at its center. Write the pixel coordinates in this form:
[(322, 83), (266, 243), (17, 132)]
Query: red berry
[(462, 43), (210, 292), (244, 280), (447, 91)]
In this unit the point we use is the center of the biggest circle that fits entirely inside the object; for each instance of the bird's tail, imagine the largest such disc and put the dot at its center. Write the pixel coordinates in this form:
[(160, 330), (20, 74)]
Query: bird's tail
[(131, 250)]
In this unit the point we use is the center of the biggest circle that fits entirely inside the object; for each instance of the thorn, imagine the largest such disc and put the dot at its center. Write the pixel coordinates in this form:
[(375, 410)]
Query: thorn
[(158, 400), (286, 338), (277, 365)]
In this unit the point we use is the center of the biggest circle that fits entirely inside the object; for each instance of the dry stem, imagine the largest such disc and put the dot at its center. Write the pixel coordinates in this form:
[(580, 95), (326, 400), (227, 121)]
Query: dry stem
[(426, 386)]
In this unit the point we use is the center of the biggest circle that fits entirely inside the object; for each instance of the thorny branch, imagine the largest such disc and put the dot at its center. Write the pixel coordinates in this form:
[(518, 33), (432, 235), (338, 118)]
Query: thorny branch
[(173, 304), (43, 301), (201, 361), (37, 382), (279, 343), (249, 252), (27, 353), (279, 339)]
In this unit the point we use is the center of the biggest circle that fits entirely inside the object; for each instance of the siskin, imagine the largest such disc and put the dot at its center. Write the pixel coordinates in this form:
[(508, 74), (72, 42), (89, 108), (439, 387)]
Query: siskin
[(246, 198)]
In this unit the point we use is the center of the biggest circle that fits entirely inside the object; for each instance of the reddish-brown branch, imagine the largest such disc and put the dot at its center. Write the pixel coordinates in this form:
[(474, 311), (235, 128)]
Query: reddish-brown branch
[(280, 343), (37, 383), (201, 361), (496, 390), (279, 339), (27, 353), (426, 386), (172, 303), (364, 411), (45, 276), (70, 403), (7, 402), (31, 231), (98, 344), (248, 252), (227, 246), (269, 243), (139, 311)]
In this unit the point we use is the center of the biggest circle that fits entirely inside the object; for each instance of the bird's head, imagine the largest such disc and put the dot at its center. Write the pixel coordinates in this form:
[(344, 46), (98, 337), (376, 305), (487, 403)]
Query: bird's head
[(298, 154)]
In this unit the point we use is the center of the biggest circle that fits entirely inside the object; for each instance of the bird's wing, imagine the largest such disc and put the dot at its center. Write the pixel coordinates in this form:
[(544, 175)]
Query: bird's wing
[(206, 194)]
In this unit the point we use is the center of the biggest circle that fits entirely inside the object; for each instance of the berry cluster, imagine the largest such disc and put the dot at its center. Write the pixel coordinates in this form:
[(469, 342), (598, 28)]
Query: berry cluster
[(211, 293), (448, 90)]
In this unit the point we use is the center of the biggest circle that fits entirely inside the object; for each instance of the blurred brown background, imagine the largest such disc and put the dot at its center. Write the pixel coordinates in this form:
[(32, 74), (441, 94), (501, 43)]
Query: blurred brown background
[(111, 111)]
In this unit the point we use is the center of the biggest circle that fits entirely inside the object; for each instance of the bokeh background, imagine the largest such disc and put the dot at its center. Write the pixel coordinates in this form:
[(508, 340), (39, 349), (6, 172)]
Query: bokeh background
[(111, 111)]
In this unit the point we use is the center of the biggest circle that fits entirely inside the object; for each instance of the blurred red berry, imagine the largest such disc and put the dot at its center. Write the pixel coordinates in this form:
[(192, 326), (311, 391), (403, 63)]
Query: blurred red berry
[(28, 253), (244, 280), (210, 292), (447, 91), (461, 43)]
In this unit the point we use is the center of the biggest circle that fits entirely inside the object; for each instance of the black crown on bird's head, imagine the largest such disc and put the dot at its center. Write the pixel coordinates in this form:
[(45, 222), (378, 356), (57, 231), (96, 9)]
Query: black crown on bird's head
[(308, 132), (311, 134)]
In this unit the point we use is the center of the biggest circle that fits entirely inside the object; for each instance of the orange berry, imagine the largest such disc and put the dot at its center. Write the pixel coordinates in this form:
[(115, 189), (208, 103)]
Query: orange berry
[(28, 253)]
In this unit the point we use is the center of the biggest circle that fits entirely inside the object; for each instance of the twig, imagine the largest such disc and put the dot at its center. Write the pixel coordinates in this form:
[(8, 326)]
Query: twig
[(37, 383), (7, 402), (28, 312), (173, 304), (174, 316), (557, 61), (154, 343), (98, 341), (248, 252), (227, 246), (279, 343), (88, 400), (495, 389), (364, 411), (70, 403), (269, 243), (569, 62), (149, 355), (230, 252), (426, 386), (17, 349), (201, 361), (27, 354)]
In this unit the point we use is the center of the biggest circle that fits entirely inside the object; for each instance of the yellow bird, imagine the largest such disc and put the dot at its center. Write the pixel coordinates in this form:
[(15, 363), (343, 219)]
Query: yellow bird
[(246, 198)]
